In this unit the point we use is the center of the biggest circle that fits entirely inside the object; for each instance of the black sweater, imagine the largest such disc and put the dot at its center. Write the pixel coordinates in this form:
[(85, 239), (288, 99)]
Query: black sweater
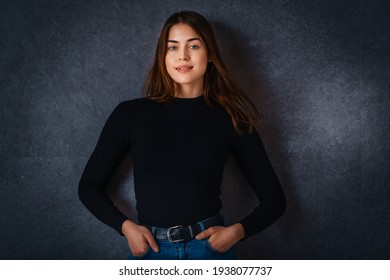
[(179, 151)]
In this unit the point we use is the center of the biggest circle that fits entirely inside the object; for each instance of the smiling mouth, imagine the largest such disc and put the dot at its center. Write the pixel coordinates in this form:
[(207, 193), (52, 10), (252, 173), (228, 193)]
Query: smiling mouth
[(184, 68)]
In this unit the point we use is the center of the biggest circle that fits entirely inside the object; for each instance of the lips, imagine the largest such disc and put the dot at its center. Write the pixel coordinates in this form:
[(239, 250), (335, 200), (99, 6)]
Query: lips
[(184, 68)]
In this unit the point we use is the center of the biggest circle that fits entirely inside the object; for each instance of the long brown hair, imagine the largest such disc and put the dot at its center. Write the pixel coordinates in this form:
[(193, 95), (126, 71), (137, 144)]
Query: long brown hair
[(218, 84)]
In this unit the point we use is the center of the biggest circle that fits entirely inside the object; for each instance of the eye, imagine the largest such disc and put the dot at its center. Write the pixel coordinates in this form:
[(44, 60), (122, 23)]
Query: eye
[(194, 47), (172, 48)]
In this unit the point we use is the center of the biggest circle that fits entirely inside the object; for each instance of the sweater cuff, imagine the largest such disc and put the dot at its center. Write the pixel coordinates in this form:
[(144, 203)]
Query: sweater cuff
[(264, 215), (117, 225)]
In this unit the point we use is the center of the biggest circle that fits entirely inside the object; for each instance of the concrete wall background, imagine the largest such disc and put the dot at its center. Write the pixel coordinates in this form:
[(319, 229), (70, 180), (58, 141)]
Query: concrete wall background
[(318, 70)]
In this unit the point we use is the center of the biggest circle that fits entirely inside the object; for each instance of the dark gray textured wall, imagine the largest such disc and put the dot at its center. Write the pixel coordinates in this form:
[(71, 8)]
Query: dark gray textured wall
[(318, 70)]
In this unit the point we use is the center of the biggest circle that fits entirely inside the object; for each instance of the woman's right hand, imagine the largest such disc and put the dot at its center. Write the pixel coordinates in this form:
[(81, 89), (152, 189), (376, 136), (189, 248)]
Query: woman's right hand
[(139, 238)]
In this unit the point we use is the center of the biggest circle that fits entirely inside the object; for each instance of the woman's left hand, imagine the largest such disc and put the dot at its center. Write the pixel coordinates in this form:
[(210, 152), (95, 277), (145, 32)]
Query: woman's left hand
[(223, 238)]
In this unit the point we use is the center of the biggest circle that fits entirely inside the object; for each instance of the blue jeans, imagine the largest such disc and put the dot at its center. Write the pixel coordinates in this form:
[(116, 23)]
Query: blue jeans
[(190, 250)]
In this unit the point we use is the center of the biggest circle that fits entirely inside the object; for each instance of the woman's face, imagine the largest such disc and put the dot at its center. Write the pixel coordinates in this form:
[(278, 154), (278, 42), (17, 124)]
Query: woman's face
[(186, 58)]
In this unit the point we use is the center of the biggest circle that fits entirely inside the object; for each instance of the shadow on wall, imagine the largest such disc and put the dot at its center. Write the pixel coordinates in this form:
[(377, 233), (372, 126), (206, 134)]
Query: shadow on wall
[(237, 196)]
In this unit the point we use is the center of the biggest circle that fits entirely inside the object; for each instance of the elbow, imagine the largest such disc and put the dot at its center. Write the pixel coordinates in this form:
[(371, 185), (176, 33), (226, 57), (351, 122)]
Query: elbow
[(81, 192)]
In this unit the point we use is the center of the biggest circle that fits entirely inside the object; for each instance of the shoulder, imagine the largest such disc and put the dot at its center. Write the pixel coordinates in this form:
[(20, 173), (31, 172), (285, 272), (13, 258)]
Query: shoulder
[(131, 106), (132, 103), (126, 110), (242, 125)]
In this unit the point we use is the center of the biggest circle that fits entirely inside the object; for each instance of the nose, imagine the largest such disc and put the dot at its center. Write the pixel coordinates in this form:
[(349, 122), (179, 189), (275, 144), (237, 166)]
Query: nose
[(183, 55)]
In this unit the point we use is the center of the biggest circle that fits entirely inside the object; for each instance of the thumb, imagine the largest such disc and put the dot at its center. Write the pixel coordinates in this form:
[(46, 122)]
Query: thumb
[(204, 234)]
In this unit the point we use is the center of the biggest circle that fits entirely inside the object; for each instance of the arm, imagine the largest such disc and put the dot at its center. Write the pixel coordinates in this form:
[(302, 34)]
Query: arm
[(112, 146), (253, 161)]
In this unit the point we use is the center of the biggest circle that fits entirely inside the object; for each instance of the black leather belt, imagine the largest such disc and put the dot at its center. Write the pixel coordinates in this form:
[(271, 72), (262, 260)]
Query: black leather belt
[(181, 233)]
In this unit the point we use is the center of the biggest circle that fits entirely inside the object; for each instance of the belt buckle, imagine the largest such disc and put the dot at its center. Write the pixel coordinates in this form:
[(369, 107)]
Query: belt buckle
[(169, 234)]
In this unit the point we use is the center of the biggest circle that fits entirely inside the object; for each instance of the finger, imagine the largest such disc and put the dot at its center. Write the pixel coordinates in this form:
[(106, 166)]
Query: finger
[(139, 249), (152, 242), (205, 234)]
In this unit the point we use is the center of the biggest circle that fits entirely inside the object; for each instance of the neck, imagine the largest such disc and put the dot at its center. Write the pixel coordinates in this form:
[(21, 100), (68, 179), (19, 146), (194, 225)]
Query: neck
[(189, 90)]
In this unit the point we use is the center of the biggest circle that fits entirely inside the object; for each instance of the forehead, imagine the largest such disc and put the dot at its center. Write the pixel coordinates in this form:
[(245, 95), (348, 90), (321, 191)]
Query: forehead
[(181, 31)]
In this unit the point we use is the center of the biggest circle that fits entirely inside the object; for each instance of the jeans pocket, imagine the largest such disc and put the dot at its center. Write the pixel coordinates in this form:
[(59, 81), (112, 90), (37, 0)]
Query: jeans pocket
[(211, 248), (228, 255)]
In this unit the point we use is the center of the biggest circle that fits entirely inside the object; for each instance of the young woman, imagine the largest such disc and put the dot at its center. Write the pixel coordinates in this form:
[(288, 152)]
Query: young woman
[(180, 136)]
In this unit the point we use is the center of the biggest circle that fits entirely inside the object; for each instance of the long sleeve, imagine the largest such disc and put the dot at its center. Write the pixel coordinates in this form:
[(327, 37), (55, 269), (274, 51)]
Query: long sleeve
[(253, 161), (112, 146)]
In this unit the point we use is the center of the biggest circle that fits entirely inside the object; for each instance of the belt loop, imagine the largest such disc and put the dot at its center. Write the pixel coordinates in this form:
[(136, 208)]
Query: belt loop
[(191, 231), (154, 231), (201, 226)]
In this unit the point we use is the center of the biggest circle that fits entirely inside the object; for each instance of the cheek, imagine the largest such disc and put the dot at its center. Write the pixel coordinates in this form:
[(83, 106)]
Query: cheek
[(203, 61), (167, 61), (169, 65)]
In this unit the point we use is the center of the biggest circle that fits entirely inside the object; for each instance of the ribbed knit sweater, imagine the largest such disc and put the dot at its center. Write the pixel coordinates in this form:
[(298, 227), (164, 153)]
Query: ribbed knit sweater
[(179, 151)]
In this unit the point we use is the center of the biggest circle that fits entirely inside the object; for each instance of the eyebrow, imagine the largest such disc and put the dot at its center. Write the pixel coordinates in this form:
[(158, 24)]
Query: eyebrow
[(189, 40)]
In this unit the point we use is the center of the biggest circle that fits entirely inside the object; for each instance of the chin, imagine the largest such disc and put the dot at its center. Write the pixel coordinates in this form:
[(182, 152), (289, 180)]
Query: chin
[(184, 81)]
